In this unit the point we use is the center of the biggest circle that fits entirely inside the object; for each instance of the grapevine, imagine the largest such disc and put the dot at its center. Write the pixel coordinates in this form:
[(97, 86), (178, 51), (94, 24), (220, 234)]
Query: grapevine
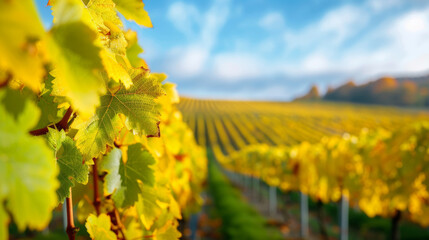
[(86, 124)]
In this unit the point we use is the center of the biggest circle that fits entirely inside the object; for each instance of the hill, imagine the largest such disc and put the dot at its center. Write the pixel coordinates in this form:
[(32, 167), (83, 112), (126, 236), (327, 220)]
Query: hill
[(408, 92)]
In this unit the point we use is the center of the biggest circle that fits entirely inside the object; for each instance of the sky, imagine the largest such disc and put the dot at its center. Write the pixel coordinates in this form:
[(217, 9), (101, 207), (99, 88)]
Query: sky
[(277, 49)]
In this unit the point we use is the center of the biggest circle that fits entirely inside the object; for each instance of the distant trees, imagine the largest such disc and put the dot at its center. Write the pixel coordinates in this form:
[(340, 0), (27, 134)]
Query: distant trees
[(385, 91), (313, 94)]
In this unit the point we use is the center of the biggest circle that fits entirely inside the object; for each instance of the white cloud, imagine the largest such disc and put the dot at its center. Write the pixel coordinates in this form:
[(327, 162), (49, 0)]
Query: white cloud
[(409, 35), (272, 21), (315, 63), (233, 67), (380, 5), (191, 60), (397, 46), (330, 31), (184, 17), (188, 62)]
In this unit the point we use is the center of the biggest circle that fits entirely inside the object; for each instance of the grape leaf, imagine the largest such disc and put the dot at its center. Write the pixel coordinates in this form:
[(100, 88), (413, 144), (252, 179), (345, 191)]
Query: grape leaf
[(134, 50), (47, 105), (77, 62), (125, 177), (99, 227), (116, 67), (3, 222), (66, 11), (134, 10), (20, 30), (109, 28), (28, 169), (69, 160), (111, 164), (133, 229), (14, 101), (137, 104), (147, 207), (168, 232), (108, 24), (137, 168)]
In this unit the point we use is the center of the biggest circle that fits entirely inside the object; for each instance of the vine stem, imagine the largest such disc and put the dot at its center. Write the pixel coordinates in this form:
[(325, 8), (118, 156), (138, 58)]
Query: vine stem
[(71, 228), (97, 201), (62, 124), (6, 80), (395, 225)]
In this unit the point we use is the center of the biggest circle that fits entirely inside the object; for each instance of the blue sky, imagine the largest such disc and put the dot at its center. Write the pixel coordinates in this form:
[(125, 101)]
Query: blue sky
[(277, 49)]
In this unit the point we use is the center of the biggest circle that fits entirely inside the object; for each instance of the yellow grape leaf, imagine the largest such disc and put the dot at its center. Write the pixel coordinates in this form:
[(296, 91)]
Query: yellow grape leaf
[(134, 10), (77, 63), (66, 11), (3, 223), (99, 227), (134, 50), (168, 232), (84, 208), (108, 24), (115, 69), (133, 230), (175, 208), (20, 30), (112, 37), (147, 206)]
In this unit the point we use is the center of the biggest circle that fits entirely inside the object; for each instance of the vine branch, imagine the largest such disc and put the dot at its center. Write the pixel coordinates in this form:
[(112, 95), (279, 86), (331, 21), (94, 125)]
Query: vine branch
[(71, 228), (395, 225), (62, 124), (97, 201), (6, 80)]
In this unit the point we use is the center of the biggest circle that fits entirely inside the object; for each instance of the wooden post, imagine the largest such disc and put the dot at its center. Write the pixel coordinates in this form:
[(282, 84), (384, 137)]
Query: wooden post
[(344, 218), (304, 215), (273, 200)]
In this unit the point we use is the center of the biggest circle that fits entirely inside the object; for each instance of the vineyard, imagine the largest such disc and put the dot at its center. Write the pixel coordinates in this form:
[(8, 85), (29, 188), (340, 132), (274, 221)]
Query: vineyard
[(371, 158), (94, 145)]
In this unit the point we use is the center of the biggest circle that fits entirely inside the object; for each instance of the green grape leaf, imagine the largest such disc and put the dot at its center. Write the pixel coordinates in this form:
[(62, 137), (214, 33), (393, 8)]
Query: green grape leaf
[(134, 10), (136, 169), (111, 164), (3, 222), (137, 104), (14, 101), (20, 31), (22, 118), (125, 177), (69, 160), (28, 170), (99, 227), (147, 207), (48, 106), (77, 64), (134, 49)]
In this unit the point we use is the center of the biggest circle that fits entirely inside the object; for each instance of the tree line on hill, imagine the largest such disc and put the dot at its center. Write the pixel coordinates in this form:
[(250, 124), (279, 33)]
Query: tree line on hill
[(409, 92)]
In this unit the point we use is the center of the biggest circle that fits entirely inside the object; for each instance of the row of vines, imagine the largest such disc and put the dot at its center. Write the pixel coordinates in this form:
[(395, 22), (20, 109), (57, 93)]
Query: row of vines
[(377, 158), (383, 173)]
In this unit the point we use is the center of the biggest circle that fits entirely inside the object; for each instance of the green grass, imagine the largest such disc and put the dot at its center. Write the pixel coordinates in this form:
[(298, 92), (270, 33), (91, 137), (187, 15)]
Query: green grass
[(239, 219)]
